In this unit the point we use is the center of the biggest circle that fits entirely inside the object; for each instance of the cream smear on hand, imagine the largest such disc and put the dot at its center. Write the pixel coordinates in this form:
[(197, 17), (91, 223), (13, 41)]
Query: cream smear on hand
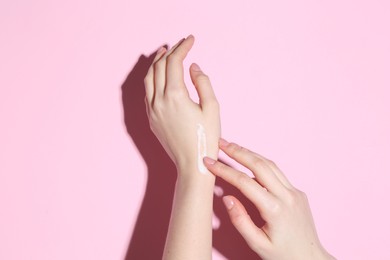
[(202, 152)]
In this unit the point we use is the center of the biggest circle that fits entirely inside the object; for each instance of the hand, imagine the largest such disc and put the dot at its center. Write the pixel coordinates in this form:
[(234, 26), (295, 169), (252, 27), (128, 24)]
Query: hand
[(289, 231), (187, 130)]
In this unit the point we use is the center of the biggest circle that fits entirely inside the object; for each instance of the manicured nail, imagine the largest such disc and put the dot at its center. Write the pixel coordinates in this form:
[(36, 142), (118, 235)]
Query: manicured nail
[(223, 142), (161, 50), (208, 160), (196, 67), (178, 43), (229, 204), (182, 40)]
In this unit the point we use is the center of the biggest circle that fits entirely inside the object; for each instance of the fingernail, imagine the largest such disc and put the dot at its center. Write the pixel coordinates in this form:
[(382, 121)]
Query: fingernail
[(229, 204), (196, 67), (223, 142), (189, 36), (182, 40), (208, 160), (161, 50), (178, 43)]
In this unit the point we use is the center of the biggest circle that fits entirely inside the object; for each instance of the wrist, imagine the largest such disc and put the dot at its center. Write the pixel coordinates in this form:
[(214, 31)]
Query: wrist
[(193, 184), (193, 167), (192, 172)]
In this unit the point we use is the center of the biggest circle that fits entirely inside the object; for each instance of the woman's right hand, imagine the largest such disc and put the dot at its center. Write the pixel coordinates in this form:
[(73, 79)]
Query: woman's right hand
[(289, 231)]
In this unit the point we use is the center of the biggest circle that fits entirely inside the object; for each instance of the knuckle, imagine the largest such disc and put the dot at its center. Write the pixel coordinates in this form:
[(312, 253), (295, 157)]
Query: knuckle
[(174, 93), (158, 108), (259, 163), (275, 208), (295, 197), (290, 198), (272, 163), (243, 180), (219, 167), (234, 149), (302, 195), (153, 118), (239, 219), (242, 148)]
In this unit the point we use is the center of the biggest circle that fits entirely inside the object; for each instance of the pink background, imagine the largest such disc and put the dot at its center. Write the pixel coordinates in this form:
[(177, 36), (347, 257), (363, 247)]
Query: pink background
[(305, 83)]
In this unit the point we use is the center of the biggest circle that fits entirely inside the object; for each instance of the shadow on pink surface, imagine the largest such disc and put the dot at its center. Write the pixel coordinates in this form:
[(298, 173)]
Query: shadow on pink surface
[(148, 238)]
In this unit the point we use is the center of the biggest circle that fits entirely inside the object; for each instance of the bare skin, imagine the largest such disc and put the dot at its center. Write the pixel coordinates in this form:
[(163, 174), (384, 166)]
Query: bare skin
[(174, 119), (289, 231)]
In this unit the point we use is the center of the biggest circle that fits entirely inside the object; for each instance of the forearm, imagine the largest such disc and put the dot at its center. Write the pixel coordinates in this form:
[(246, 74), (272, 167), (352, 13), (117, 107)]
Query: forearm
[(190, 230)]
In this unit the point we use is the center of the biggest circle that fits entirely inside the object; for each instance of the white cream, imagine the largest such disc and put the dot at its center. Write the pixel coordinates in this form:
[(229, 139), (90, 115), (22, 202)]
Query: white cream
[(202, 151)]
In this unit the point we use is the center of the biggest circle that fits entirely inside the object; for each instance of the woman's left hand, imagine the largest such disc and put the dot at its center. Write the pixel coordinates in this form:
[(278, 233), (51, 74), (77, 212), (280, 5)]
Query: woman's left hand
[(176, 120)]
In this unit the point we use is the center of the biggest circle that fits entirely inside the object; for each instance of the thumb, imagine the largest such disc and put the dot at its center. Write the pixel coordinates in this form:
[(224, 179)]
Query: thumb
[(255, 237), (201, 81)]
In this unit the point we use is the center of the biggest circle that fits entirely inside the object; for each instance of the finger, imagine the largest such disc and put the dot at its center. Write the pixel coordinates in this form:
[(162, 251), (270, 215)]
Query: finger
[(263, 173), (207, 99), (283, 179), (149, 78), (160, 71), (174, 47), (254, 236), (264, 201), (175, 74)]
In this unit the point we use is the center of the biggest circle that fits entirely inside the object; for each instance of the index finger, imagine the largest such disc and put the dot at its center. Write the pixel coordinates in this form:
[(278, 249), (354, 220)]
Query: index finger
[(175, 74), (264, 174), (264, 201)]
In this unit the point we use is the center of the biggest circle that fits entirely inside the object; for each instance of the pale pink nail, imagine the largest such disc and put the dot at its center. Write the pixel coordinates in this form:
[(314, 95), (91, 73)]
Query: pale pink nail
[(160, 50), (196, 67), (208, 160), (223, 142), (229, 203)]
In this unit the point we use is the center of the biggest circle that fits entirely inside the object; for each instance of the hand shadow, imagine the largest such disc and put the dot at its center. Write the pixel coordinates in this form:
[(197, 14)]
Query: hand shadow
[(150, 230), (148, 238), (226, 238)]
